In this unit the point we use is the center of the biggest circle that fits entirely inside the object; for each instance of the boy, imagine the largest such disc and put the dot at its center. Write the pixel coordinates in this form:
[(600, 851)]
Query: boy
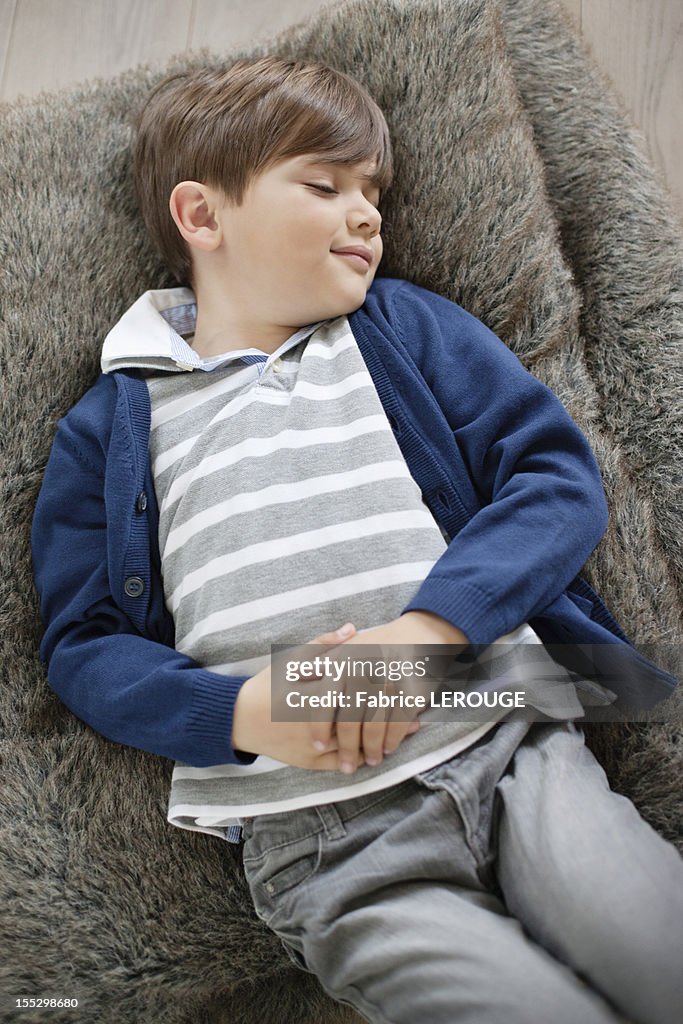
[(284, 444)]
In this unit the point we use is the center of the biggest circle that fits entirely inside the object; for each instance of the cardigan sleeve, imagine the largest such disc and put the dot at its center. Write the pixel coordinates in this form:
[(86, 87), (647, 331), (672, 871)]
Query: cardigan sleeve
[(126, 686), (542, 504)]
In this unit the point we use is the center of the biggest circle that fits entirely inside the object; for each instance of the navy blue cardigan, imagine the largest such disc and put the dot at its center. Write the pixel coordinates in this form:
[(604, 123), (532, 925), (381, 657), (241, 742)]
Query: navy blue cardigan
[(501, 466)]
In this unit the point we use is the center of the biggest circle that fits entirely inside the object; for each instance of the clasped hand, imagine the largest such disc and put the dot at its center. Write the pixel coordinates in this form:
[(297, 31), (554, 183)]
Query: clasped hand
[(333, 742)]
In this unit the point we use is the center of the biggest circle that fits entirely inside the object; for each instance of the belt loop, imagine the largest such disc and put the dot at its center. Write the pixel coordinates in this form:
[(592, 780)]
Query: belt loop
[(331, 821)]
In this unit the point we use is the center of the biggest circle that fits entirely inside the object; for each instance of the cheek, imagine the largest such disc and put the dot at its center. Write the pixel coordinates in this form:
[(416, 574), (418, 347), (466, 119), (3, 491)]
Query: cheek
[(370, 278), (300, 223)]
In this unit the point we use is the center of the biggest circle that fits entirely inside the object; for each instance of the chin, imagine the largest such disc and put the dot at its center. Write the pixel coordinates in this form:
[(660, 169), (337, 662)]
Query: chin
[(354, 298)]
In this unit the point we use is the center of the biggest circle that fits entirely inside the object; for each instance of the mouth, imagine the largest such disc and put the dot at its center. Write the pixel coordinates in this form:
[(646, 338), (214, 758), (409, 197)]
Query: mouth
[(358, 257)]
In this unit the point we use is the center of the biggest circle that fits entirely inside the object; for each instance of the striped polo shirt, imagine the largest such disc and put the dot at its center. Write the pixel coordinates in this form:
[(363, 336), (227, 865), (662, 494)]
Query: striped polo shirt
[(286, 509)]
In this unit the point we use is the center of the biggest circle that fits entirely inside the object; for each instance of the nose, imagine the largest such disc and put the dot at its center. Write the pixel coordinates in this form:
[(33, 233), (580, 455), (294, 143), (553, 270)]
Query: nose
[(363, 215)]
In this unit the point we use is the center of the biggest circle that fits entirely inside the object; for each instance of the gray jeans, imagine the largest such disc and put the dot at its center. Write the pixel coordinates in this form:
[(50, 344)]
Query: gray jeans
[(508, 885)]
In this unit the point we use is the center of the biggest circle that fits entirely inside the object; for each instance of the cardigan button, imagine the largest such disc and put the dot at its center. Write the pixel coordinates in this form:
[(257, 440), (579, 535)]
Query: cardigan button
[(134, 586), (141, 503)]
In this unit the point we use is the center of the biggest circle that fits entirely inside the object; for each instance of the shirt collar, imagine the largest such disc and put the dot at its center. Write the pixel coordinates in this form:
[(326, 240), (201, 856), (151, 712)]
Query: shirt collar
[(150, 333)]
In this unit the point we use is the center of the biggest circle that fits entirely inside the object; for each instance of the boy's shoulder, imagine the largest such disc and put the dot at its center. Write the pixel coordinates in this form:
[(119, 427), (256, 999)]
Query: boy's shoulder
[(96, 406), (430, 325), (386, 290), (398, 297), (87, 426)]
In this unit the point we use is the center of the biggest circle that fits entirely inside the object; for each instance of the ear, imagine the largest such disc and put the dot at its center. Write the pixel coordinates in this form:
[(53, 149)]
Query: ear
[(193, 207)]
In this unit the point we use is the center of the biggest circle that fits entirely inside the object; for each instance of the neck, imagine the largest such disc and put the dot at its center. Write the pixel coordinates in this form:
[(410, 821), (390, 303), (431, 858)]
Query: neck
[(225, 322)]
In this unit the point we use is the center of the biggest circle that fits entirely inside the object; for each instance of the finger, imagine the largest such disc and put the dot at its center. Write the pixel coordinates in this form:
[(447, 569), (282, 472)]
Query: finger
[(374, 731), (321, 728), (397, 732), (373, 734), (323, 734), (333, 638), (325, 762), (348, 740), (324, 737), (378, 740)]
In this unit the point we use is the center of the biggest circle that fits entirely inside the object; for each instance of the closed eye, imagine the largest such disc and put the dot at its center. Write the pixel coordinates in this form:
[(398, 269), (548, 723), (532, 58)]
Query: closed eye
[(332, 192)]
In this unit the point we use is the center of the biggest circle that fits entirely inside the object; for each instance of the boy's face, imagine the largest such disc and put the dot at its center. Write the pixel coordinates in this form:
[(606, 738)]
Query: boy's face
[(281, 245)]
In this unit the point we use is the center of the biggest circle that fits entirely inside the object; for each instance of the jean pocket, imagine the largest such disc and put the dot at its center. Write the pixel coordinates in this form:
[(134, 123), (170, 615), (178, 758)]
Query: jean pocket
[(280, 871)]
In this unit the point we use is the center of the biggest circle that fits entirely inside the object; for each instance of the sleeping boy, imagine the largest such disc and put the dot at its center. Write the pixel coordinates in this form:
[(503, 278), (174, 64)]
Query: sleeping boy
[(283, 444)]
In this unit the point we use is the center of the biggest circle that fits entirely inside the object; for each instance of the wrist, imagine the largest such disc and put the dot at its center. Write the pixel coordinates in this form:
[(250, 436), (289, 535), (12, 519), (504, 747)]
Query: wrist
[(435, 629), (244, 718)]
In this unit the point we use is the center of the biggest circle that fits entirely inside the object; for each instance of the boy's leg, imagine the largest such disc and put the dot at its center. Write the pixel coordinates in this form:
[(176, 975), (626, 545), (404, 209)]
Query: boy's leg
[(379, 896), (588, 877)]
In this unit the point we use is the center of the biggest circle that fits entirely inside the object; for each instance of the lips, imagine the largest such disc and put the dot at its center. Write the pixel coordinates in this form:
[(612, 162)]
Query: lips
[(361, 251)]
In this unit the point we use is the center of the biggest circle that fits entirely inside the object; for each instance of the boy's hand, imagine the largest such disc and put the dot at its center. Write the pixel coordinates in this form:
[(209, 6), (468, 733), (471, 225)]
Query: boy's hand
[(372, 740), (289, 742)]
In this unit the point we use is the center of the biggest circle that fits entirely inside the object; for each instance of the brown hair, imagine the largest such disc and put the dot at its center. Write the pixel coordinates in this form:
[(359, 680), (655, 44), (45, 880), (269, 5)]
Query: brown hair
[(222, 126)]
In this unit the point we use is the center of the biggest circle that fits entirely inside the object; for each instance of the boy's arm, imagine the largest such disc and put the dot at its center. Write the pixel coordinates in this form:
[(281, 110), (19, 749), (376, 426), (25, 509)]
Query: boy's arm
[(543, 507), (127, 687)]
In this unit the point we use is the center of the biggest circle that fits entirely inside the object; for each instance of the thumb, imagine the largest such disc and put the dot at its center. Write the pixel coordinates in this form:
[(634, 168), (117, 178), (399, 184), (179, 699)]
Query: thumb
[(344, 632), (332, 639)]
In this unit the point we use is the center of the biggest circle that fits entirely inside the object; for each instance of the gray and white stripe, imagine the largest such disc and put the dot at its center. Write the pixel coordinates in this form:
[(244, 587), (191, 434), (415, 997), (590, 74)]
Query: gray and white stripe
[(286, 509)]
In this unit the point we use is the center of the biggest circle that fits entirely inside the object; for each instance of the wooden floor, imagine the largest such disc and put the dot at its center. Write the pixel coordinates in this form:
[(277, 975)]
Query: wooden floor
[(45, 44)]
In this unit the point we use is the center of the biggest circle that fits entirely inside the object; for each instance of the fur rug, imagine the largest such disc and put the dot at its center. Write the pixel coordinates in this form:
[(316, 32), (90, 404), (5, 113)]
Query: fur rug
[(522, 193)]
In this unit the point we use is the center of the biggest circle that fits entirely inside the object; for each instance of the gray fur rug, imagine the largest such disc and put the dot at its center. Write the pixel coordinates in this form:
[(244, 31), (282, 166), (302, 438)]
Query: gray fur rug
[(521, 193)]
